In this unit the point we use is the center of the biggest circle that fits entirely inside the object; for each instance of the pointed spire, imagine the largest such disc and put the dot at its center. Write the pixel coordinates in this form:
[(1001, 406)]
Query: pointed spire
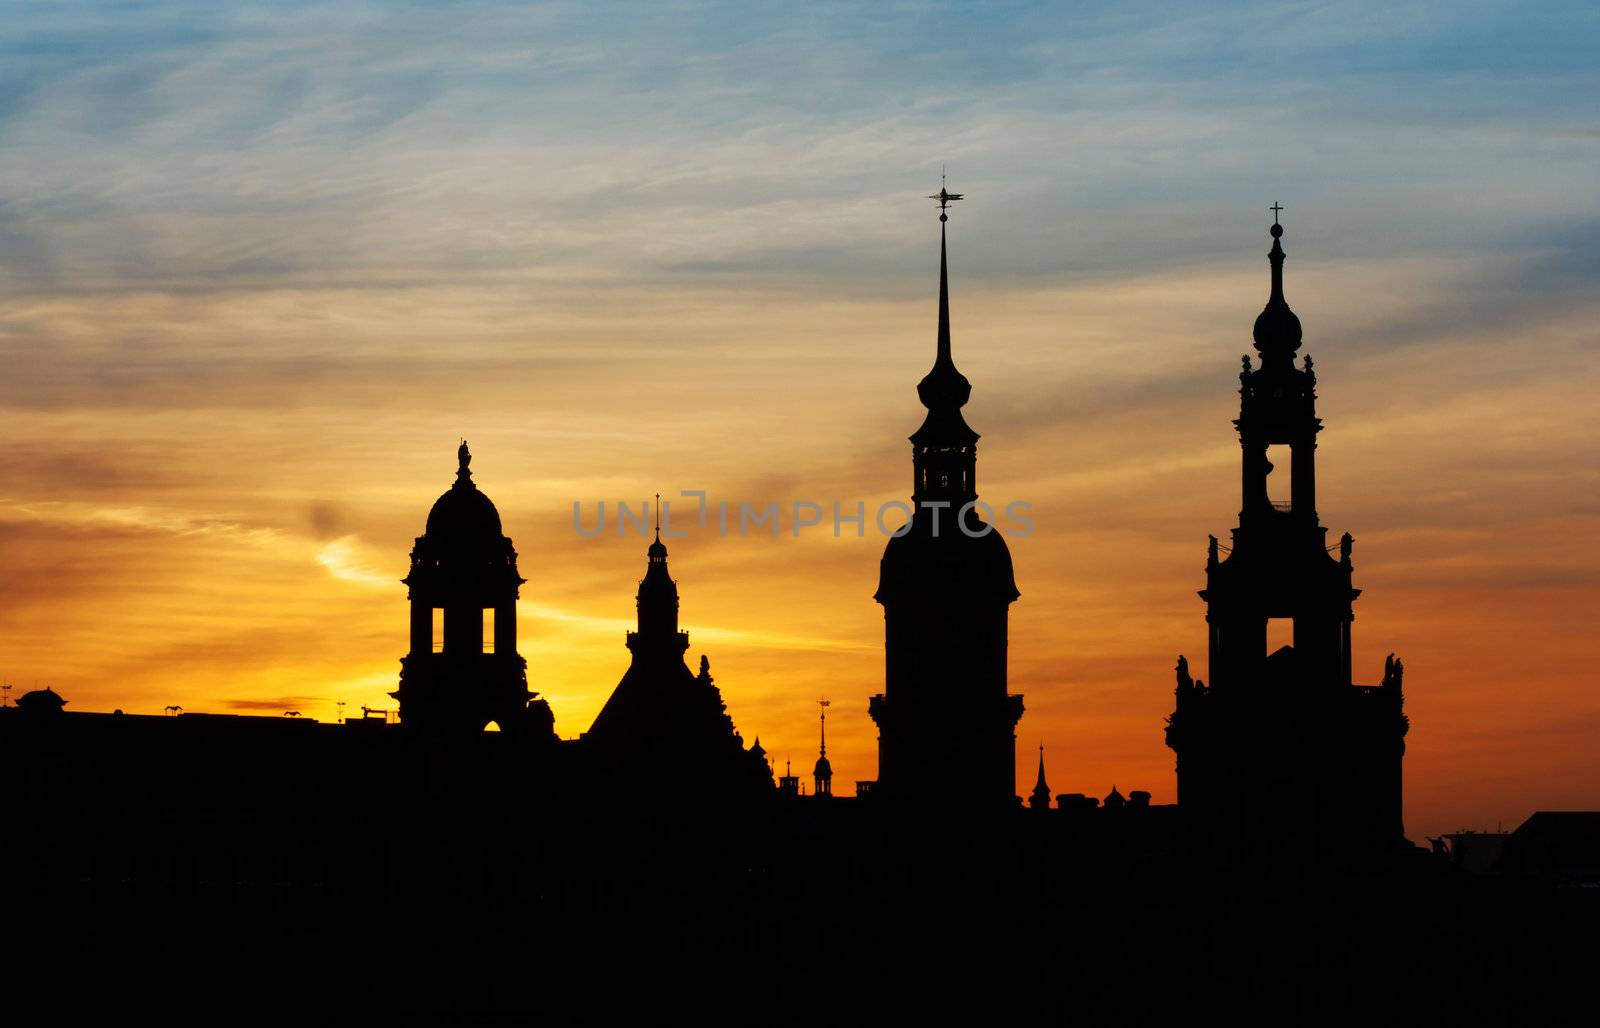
[(943, 349), (657, 552), (1040, 797), (1277, 329), (944, 390)]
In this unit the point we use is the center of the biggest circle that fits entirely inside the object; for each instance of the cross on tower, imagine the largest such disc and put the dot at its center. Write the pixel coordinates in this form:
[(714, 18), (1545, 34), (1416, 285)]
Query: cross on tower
[(1275, 208), (945, 197)]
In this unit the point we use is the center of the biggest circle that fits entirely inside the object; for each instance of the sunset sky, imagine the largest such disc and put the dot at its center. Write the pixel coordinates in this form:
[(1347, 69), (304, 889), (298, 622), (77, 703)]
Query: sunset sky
[(261, 268)]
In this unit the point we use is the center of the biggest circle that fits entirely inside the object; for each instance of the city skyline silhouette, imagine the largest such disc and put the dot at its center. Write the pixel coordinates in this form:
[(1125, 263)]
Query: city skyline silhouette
[(469, 844), (785, 733), (259, 278)]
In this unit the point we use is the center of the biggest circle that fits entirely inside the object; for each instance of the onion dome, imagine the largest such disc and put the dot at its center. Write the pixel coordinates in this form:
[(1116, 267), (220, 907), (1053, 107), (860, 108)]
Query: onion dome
[(1277, 329)]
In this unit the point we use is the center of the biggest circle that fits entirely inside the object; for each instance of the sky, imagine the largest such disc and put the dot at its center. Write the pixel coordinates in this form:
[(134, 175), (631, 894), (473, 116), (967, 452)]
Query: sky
[(261, 268)]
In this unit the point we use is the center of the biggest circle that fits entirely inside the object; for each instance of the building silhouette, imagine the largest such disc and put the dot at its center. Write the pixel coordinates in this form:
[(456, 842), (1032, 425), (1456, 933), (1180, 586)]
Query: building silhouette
[(664, 718), (463, 670), (1039, 798), (1281, 752), (946, 721), (822, 772), (473, 863)]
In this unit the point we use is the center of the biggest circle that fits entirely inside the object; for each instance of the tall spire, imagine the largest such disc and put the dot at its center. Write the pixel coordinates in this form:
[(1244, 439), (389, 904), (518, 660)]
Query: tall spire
[(1277, 329), (943, 351), (944, 389)]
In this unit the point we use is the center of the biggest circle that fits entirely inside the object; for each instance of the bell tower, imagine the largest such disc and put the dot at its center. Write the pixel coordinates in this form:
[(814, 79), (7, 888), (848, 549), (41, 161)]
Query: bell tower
[(1283, 750), (946, 722), (463, 670)]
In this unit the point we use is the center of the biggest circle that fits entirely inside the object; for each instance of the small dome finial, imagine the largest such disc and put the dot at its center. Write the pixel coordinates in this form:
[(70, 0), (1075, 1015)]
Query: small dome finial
[(464, 459)]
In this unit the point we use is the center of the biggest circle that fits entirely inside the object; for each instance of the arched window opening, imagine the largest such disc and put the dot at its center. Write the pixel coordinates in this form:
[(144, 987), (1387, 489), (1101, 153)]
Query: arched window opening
[(1279, 461)]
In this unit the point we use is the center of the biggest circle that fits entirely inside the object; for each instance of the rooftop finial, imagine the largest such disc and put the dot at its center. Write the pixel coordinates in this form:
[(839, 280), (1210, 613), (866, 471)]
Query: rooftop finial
[(1275, 208), (657, 552), (464, 458), (823, 749), (945, 197)]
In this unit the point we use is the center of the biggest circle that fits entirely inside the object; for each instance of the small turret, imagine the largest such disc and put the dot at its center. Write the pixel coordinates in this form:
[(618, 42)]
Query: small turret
[(1039, 799)]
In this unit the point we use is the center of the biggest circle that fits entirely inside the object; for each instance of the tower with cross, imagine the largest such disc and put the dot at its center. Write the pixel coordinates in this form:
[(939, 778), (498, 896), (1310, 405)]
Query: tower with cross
[(1283, 749), (946, 720)]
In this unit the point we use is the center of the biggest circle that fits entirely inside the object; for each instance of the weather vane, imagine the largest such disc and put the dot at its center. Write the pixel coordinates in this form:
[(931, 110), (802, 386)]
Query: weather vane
[(1275, 208), (945, 197)]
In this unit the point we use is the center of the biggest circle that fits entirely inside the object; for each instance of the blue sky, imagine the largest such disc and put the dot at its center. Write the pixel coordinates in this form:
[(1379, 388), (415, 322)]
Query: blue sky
[(201, 146)]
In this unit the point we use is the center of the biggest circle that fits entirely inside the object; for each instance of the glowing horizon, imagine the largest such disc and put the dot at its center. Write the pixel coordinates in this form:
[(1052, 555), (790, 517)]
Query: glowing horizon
[(260, 277)]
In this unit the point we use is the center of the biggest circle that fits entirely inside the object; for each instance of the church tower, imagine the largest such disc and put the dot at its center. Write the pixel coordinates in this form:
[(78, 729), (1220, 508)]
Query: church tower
[(946, 724), (662, 718), (463, 670), (1283, 750)]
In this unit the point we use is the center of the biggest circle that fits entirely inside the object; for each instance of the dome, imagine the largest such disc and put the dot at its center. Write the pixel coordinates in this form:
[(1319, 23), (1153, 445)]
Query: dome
[(919, 564), (1277, 327), (463, 514), (41, 701), (823, 769)]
